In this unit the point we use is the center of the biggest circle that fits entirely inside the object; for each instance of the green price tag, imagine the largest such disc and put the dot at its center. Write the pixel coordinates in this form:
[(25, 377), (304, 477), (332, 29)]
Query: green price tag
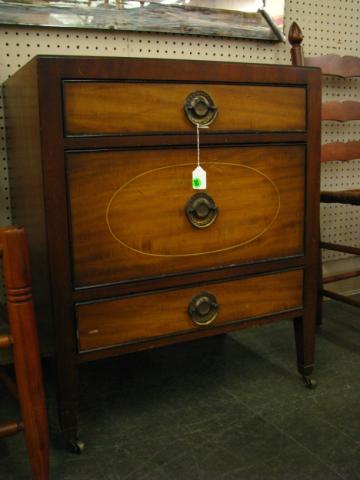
[(196, 182)]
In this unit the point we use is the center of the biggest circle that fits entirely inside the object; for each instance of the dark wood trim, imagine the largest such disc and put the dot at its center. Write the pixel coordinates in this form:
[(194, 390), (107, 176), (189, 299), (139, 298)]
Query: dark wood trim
[(165, 145), (74, 67), (206, 281), (305, 326), (186, 279), (137, 141), (55, 200), (25, 171), (315, 272), (170, 340)]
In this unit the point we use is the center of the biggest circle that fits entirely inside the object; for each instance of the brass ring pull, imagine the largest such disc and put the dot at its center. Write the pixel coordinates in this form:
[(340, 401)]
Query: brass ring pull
[(203, 308), (200, 108), (201, 210)]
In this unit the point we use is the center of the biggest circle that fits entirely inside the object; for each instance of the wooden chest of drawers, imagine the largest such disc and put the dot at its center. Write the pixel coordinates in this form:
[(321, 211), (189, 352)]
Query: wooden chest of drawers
[(101, 153)]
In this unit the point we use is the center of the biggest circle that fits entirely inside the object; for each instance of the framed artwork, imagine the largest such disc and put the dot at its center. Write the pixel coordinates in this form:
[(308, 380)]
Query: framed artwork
[(257, 19)]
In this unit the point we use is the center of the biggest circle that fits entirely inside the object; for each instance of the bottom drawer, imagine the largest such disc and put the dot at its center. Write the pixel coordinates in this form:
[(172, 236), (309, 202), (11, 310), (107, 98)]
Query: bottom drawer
[(119, 321)]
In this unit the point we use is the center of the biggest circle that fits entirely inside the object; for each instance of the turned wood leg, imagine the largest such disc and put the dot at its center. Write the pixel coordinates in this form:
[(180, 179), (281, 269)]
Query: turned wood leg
[(26, 352)]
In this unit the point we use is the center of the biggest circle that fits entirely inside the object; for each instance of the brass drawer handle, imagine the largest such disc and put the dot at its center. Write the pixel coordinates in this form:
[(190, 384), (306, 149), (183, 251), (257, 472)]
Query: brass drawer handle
[(201, 210), (200, 108), (203, 308)]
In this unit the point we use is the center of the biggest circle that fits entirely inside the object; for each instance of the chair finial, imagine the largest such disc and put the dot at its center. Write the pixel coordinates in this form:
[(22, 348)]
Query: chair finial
[(295, 38), (295, 34)]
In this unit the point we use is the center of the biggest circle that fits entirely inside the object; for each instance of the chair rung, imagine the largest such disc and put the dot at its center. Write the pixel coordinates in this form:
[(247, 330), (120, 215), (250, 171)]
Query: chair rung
[(341, 276), (5, 341), (340, 298), (347, 197), (340, 248), (10, 428)]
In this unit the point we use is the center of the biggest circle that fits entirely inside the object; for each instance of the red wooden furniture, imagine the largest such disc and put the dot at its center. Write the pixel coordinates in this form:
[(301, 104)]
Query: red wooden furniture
[(22, 337), (344, 67)]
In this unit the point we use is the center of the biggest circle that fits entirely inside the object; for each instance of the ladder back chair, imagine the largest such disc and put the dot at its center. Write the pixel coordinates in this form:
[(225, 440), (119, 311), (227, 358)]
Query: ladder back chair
[(22, 339), (344, 67)]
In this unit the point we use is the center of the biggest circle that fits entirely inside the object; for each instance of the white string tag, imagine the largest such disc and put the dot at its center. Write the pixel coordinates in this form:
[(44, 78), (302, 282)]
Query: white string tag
[(199, 179), (199, 174)]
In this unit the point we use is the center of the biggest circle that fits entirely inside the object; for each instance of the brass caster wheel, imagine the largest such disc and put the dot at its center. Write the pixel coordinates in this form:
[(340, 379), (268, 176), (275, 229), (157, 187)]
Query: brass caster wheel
[(309, 382), (76, 446)]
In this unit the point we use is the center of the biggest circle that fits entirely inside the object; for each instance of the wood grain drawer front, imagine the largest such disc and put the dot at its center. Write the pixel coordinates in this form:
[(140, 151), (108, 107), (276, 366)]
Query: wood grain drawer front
[(95, 108), (116, 322), (128, 216)]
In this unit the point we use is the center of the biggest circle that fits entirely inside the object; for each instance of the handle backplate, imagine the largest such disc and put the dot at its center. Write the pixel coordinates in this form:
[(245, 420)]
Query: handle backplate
[(200, 108), (201, 210), (203, 308)]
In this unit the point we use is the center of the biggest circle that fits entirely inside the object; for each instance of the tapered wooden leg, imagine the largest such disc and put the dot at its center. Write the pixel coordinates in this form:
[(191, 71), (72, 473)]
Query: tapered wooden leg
[(305, 346), (319, 300), (68, 403), (68, 417)]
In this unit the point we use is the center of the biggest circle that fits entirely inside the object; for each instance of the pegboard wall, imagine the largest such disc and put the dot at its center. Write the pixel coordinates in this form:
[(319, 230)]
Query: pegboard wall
[(329, 26)]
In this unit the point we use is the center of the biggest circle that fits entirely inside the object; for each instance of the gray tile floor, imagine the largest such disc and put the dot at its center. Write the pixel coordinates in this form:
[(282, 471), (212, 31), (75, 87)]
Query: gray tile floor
[(225, 408)]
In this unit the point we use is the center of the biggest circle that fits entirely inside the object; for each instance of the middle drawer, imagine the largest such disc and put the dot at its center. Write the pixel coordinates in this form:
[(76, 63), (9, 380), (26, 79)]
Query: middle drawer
[(134, 213)]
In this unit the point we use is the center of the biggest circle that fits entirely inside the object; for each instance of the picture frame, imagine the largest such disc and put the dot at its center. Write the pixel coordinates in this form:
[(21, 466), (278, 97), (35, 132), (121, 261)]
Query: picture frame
[(255, 19)]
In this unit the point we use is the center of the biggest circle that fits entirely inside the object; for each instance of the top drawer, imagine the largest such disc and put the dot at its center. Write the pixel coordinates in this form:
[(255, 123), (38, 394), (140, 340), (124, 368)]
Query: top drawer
[(110, 108)]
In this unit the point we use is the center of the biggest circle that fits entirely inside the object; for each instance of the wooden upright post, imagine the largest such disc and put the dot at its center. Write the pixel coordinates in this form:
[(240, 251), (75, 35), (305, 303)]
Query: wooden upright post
[(21, 316)]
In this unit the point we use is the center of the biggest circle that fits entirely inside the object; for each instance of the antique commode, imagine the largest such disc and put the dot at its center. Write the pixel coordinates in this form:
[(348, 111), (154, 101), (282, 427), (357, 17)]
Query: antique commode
[(126, 255)]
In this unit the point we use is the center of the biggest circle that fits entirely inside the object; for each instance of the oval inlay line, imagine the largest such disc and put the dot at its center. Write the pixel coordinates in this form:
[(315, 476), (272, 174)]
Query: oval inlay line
[(231, 247)]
